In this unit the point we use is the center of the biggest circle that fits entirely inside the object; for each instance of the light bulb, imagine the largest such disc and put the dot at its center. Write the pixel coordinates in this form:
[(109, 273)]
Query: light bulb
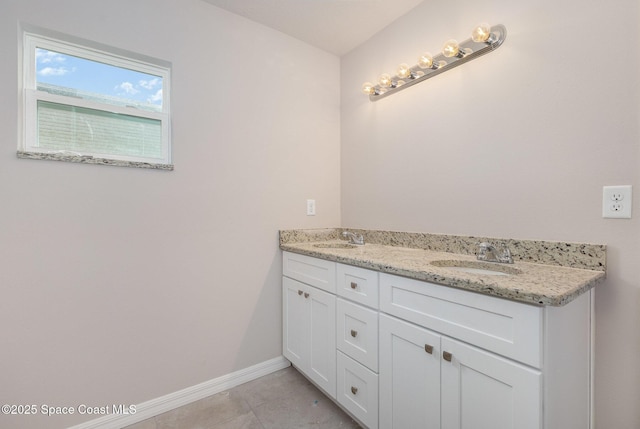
[(368, 88), (481, 33), (451, 48), (404, 71), (425, 61), (385, 80)]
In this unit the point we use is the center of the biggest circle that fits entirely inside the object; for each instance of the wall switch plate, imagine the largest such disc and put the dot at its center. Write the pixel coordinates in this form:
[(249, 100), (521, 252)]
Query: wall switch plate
[(616, 202), (311, 207)]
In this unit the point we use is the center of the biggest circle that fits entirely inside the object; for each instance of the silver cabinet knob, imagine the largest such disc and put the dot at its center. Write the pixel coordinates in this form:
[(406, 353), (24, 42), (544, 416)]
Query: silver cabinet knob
[(306, 295), (428, 348), (354, 285), (354, 333), (354, 390), (299, 292), (447, 356)]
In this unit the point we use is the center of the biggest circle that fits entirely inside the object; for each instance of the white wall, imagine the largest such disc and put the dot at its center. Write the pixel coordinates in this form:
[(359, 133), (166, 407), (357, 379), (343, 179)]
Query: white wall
[(121, 285), (517, 143)]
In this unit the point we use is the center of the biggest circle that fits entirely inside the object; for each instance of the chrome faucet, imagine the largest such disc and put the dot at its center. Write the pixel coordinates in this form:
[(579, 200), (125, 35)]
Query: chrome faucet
[(489, 253), (354, 238)]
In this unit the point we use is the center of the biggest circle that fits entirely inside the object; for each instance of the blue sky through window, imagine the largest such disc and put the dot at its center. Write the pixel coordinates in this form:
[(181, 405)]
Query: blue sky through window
[(67, 71)]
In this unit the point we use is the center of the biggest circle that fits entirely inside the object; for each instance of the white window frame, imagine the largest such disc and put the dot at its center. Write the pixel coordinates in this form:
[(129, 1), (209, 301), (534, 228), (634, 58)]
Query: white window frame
[(28, 144)]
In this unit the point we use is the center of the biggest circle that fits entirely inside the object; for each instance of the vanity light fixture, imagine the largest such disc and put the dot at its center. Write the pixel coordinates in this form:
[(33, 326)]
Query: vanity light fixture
[(484, 39)]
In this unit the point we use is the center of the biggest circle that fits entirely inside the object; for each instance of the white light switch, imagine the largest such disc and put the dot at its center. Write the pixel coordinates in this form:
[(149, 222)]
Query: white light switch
[(616, 202), (311, 207)]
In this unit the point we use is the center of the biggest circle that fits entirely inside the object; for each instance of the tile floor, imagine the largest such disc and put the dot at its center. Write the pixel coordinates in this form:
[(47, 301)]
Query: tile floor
[(282, 400)]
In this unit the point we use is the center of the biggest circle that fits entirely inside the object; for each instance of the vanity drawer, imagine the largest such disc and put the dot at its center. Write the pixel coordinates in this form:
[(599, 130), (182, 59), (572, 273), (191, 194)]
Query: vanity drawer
[(358, 390), (509, 328), (358, 284), (312, 271), (357, 333)]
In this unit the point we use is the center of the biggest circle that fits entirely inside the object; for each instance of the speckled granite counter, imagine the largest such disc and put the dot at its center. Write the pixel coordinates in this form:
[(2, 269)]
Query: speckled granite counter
[(544, 273)]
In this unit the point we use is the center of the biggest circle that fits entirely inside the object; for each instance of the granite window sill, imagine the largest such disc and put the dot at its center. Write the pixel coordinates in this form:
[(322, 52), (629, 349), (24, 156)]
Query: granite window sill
[(92, 160)]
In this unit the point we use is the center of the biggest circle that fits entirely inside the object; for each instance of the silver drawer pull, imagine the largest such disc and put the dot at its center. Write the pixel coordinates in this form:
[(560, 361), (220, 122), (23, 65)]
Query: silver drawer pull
[(428, 349), (306, 295), (354, 285), (354, 333), (354, 390), (447, 356), (299, 292)]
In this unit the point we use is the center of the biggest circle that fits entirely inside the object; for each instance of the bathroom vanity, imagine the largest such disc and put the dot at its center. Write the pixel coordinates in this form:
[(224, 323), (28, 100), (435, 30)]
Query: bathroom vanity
[(403, 333)]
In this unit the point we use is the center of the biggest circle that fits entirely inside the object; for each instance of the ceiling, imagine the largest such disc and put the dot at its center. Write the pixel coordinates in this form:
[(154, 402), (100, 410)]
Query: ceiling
[(336, 26)]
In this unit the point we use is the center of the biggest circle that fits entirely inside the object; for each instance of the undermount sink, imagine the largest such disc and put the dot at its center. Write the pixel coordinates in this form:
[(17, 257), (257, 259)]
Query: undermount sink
[(477, 267), (335, 245)]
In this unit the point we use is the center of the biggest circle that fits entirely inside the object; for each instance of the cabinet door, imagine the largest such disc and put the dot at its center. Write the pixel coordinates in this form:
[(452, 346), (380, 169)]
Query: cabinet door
[(481, 390), (295, 322), (409, 376), (322, 339)]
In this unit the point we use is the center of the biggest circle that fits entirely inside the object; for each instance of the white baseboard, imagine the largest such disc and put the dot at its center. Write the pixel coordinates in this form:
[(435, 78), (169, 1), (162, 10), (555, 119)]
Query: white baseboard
[(154, 407)]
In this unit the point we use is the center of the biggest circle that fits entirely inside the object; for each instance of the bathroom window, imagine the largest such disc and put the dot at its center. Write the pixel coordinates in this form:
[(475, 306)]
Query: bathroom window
[(94, 104)]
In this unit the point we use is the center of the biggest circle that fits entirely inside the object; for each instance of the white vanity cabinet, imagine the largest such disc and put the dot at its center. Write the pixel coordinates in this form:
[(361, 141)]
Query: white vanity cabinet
[(309, 318), (431, 381), (399, 353), (462, 360)]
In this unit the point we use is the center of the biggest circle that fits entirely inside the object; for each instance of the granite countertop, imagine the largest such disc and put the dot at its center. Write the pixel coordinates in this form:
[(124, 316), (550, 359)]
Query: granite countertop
[(567, 271)]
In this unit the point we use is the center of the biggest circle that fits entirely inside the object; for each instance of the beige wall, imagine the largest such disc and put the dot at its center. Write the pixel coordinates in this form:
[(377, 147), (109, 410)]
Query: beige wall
[(121, 285), (517, 143)]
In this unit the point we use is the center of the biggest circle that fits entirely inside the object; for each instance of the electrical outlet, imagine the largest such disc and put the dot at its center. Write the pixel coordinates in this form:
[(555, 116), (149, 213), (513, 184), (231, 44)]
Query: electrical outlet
[(616, 202), (311, 207)]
